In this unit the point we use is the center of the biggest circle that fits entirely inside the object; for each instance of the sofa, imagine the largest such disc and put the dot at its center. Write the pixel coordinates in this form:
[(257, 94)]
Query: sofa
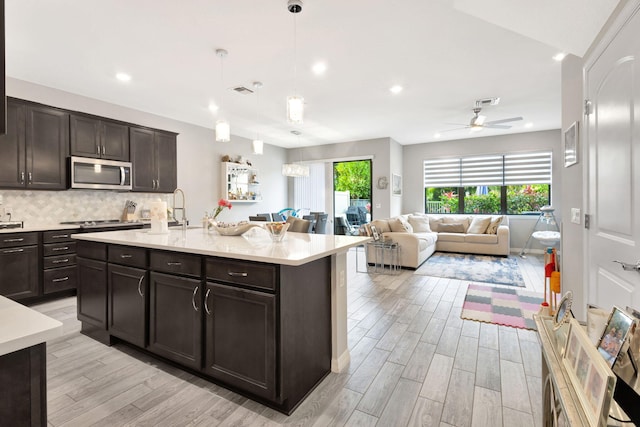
[(420, 235)]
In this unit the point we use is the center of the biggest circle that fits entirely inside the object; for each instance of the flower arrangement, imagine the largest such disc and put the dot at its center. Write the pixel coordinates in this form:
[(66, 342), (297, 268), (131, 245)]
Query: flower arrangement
[(222, 203)]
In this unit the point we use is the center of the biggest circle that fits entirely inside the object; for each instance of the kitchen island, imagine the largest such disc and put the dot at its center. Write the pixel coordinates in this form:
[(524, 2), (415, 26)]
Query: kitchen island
[(23, 374), (265, 319)]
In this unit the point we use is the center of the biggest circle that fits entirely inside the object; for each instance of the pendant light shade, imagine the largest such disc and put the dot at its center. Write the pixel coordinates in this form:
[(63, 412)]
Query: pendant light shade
[(258, 146), (295, 103), (295, 170), (295, 109), (223, 130)]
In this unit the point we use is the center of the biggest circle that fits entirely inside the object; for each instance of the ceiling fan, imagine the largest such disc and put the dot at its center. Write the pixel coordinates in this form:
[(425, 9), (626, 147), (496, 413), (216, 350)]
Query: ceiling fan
[(478, 121)]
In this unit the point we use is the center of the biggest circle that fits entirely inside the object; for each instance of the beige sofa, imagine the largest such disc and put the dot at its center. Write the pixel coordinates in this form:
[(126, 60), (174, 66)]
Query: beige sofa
[(420, 235)]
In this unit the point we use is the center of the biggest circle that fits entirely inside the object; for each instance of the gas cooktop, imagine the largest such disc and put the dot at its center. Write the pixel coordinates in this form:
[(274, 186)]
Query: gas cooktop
[(101, 223)]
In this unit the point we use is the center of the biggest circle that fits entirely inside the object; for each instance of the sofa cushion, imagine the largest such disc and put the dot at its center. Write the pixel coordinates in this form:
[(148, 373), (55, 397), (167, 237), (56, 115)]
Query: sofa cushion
[(494, 224), (451, 237), (479, 225), (455, 227), (457, 219), (419, 223), (382, 225), (481, 238), (399, 225)]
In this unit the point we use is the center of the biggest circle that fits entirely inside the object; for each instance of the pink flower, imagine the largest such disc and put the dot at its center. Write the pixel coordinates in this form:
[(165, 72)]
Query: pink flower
[(222, 203)]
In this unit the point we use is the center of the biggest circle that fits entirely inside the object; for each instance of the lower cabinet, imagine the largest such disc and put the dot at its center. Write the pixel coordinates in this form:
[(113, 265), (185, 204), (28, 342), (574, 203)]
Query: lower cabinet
[(92, 292), (19, 272), (127, 303), (240, 338), (175, 319)]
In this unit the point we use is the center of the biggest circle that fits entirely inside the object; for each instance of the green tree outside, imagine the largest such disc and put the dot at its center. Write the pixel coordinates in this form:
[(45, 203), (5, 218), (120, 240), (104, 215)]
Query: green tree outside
[(354, 177)]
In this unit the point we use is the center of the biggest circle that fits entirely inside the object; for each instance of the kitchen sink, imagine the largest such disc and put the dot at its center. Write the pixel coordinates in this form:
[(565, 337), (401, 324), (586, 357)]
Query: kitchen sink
[(10, 224)]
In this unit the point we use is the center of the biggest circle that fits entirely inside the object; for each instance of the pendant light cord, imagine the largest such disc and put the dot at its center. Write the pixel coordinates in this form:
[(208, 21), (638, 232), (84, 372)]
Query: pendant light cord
[(295, 56)]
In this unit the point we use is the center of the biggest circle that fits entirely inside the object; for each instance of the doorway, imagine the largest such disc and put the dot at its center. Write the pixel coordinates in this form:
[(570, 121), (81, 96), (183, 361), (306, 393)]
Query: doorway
[(351, 195)]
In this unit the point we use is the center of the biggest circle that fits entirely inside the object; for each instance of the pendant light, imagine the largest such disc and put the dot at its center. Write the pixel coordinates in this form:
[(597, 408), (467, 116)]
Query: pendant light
[(295, 103), (223, 131), (258, 144), (295, 169)]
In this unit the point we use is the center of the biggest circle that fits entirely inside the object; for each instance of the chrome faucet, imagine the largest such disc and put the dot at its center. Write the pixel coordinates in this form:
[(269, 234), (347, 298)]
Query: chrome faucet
[(183, 208)]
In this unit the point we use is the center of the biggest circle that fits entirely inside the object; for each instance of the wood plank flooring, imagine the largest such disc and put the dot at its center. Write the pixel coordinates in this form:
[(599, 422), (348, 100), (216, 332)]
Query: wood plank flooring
[(414, 362)]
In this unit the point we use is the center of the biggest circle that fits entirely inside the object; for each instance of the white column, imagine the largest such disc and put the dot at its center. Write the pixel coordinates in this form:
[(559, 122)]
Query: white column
[(340, 357)]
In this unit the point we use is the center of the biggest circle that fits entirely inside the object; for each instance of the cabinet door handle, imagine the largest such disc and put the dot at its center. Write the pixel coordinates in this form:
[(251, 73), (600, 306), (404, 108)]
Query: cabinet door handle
[(61, 279), (12, 251), (193, 298), (60, 261), (61, 248), (140, 285), (103, 150), (17, 239), (206, 302), (237, 274), (30, 175), (98, 149), (60, 236), (126, 256), (174, 263), (22, 177)]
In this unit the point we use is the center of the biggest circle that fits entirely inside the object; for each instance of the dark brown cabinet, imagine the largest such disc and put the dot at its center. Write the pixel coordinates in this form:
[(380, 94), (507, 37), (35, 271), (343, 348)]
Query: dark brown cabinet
[(127, 303), (153, 154), (19, 265), (175, 320), (98, 138), (58, 263), (240, 338), (92, 291), (35, 147)]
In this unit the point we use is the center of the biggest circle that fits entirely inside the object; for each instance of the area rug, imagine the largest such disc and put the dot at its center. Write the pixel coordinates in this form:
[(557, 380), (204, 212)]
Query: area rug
[(502, 306), (473, 268)]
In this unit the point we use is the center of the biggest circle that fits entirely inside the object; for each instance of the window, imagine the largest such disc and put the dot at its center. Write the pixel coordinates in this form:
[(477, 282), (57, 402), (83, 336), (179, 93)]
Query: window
[(514, 184)]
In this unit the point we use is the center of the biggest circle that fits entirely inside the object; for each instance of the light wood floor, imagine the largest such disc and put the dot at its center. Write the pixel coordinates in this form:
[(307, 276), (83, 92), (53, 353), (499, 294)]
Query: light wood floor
[(413, 362)]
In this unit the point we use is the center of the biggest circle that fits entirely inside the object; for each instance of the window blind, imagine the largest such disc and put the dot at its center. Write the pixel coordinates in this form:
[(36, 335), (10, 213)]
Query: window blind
[(508, 169)]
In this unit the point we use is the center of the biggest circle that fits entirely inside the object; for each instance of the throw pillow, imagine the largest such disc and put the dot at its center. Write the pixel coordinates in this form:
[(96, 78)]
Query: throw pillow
[(399, 225), (494, 224), (479, 225), (457, 219), (434, 223), (420, 224), (451, 228), (382, 225)]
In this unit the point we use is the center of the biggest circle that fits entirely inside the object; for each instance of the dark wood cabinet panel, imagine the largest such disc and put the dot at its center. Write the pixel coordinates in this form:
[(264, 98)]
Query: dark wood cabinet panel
[(127, 303), (92, 292), (175, 322), (153, 155), (59, 279), (175, 263), (47, 147), (93, 137), (19, 269), (12, 149), (240, 338)]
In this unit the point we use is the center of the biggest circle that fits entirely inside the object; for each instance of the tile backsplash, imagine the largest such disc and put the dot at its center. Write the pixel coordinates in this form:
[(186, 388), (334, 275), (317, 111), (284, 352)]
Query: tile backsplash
[(53, 207)]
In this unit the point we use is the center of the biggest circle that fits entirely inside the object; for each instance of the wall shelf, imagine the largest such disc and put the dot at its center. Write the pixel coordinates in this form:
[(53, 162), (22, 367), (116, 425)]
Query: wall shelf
[(240, 183)]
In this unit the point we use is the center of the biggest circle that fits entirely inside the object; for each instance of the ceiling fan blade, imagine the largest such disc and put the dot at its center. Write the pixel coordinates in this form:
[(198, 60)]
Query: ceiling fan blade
[(495, 122), (457, 124), (497, 126), (451, 130)]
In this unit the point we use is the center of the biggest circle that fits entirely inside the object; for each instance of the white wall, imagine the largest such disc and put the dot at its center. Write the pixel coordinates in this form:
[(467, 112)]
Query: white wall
[(521, 227), (198, 154), (395, 163)]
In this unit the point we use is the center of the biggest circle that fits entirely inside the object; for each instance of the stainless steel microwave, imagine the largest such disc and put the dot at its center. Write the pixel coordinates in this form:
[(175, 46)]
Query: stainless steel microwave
[(99, 174)]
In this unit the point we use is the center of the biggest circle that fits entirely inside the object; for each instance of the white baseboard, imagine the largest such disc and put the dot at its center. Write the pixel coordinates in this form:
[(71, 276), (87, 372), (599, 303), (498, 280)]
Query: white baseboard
[(339, 364)]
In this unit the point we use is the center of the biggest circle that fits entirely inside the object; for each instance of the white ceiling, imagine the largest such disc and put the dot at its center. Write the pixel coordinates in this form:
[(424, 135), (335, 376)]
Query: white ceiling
[(445, 53)]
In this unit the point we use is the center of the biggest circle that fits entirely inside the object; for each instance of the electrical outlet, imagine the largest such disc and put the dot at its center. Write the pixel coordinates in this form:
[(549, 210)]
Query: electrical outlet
[(378, 205), (575, 215)]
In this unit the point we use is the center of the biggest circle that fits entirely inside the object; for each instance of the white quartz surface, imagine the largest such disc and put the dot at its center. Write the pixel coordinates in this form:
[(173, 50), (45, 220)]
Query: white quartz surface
[(254, 245), (22, 327)]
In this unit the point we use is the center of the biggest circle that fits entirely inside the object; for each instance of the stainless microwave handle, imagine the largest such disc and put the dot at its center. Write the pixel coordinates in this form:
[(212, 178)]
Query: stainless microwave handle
[(122, 175)]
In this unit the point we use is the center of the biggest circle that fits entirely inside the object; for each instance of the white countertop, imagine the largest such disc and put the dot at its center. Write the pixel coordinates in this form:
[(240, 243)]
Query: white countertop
[(22, 327), (254, 245)]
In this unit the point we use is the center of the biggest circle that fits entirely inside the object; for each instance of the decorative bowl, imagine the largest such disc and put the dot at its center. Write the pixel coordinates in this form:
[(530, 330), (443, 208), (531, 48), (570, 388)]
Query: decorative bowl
[(277, 230), (231, 229)]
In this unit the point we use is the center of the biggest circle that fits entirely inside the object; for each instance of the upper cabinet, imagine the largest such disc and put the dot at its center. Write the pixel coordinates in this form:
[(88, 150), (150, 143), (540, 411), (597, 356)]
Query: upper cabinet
[(99, 138), (153, 154), (35, 148), (240, 183)]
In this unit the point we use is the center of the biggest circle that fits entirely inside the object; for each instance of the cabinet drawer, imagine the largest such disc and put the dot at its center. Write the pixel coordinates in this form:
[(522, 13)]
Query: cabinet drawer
[(59, 248), (57, 236), (171, 262), (9, 240), (258, 275), (59, 261), (91, 250), (60, 279), (126, 255)]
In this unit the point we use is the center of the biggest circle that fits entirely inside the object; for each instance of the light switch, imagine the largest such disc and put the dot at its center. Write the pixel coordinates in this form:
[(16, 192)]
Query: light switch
[(575, 215), (378, 205)]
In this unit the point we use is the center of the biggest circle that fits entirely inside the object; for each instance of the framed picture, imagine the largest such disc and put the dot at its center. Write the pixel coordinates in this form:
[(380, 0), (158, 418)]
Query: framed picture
[(571, 145), (589, 374), (614, 335), (396, 185), (374, 233), (563, 314)]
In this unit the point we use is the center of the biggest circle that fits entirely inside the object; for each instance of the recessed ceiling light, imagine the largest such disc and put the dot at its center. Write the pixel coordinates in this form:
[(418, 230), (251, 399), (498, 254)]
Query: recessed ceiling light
[(123, 77), (559, 56), (213, 108), (396, 89), (437, 135), (528, 125), (319, 68)]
